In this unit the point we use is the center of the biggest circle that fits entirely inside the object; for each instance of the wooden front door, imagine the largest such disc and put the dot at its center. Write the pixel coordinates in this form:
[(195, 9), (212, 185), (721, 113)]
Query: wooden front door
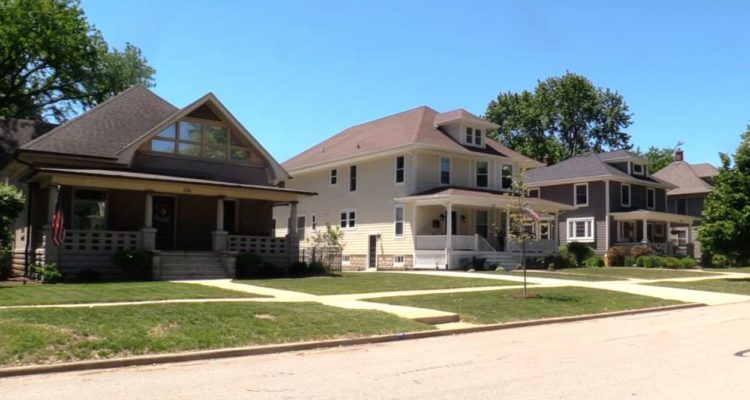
[(163, 220)]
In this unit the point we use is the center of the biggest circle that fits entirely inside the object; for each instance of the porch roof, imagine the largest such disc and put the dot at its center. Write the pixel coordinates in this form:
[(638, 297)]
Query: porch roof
[(481, 198), (128, 180), (654, 216)]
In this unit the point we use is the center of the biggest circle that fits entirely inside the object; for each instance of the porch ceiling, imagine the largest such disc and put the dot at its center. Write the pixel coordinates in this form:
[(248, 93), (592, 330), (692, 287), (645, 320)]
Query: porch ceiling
[(654, 216), (111, 179), (468, 197)]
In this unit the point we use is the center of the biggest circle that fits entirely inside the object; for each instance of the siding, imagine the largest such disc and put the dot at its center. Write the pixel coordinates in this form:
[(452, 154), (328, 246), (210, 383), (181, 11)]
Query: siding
[(695, 204), (595, 209), (637, 198), (253, 174)]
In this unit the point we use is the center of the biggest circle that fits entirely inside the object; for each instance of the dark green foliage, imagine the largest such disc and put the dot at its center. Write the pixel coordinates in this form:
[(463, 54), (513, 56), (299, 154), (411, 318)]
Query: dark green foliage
[(318, 268), (88, 275), (270, 270), (721, 261), (581, 251), (629, 261), (249, 265), (48, 273), (11, 204), (671, 262), (595, 262), (688, 263), (659, 157), (563, 117), (135, 264), (616, 256), (478, 263), (298, 269), (565, 259)]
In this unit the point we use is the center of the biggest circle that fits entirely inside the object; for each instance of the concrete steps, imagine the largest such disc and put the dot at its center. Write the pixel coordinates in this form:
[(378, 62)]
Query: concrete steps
[(181, 265), (506, 260)]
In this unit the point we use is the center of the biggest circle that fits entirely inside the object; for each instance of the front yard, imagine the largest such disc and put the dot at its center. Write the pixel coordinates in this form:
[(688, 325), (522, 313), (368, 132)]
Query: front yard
[(372, 282), (68, 293), (58, 335), (505, 306), (570, 274), (618, 273), (730, 285)]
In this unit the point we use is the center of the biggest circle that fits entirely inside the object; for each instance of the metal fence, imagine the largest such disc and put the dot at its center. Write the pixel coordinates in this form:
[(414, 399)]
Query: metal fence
[(330, 257)]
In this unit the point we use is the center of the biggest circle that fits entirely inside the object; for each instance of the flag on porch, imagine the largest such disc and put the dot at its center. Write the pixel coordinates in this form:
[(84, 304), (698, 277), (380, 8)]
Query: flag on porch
[(58, 222), (531, 213)]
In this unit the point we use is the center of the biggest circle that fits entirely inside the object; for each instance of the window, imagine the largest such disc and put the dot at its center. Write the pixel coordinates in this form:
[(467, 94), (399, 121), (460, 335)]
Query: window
[(334, 176), (301, 227), (353, 178), (478, 137), (314, 221), (200, 139), (445, 171), (346, 260), (580, 229), (399, 221), (473, 136), (626, 232), (581, 194), (682, 206), (625, 195), (89, 210), (544, 230), (533, 193), (398, 261), (400, 169), (482, 224), (482, 172), (659, 230), (650, 198), (469, 135), (348, 219), (638, 169), (506, 177)]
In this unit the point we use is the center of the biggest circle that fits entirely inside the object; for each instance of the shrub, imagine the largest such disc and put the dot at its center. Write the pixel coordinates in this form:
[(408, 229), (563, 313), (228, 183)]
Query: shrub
[(581, 251), (270, 270), (641, 250), (478, 263), (616, 255), (594, 262), (317, 268), (670, 262), (721, 261), (651, 261), (249, 265), (565, 259), (133, 263), (88, 275), (688, 263), (48, 272), (629, 261), (298, 268)]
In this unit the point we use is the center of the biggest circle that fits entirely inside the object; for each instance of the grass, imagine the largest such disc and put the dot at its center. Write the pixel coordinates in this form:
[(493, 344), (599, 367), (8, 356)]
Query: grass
[(560, 274), (736, 286), (505, 306), (634, 273), (61, 335), (371, 282), (65, 293), (736, 269)]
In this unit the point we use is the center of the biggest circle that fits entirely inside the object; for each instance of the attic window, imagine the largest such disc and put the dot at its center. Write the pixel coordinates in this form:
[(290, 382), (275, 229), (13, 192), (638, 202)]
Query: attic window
[(473, 136), (638, 169), (202, 139)]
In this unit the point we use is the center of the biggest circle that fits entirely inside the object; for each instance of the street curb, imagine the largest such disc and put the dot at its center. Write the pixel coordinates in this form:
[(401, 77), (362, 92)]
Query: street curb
[(300, 346)]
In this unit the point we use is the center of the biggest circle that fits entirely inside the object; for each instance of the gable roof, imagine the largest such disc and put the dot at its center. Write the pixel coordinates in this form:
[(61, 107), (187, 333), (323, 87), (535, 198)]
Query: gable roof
[(587, 166), (705, 170), (461, 114), (413, 127), (622, 155), (104, 130), (685, 177)]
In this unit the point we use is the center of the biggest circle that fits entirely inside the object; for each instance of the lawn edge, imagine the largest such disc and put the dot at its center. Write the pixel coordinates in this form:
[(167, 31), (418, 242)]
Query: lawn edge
[(167, 358)]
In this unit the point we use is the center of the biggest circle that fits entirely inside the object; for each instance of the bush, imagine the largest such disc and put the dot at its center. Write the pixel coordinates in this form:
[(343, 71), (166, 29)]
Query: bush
[(133, 263), (616, 255), (641, 250), (478, 263), (580, 251), (298, 268), (249, 265), (318, 268), (721, 261), (594, 262), (88, 275), (629, 261), (48, 272), (670, 262), (565, 259), (688, 263), (650, 261), (270, 270)]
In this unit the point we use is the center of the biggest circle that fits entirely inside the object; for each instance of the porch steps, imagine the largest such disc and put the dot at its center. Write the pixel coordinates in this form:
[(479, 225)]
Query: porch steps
[(180, 265), (506, 260)]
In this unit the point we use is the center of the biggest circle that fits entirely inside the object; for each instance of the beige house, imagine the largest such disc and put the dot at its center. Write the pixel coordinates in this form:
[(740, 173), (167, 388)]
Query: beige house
[(418, 189)]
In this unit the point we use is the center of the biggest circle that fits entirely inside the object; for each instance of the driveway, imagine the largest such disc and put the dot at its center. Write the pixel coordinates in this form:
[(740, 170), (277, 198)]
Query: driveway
[(701, 353)]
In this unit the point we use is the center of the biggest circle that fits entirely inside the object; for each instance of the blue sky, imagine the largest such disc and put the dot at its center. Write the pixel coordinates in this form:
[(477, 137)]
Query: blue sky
[(295, 73)]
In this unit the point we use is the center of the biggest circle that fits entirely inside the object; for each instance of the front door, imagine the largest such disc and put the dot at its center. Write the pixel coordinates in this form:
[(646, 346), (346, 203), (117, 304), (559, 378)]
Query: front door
[(372, 252), (163, 220)]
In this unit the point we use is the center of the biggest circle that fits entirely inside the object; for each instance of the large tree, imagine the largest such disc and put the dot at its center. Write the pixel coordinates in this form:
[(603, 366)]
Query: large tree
[(725, 229), (563, 117), (54, 64), (659, 157)]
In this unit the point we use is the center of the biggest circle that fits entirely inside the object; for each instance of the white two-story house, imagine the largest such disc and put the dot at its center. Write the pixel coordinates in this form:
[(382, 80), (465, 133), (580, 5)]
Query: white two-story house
[(418, 189)]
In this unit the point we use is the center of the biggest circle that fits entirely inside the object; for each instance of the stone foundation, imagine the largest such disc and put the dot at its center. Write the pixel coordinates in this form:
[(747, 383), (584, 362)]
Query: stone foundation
[(358, 262)]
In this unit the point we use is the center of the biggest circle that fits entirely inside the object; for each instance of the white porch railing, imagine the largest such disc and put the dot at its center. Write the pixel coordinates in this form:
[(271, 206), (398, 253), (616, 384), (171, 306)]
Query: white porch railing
[(257, 244), (77, 240), (534, 246)]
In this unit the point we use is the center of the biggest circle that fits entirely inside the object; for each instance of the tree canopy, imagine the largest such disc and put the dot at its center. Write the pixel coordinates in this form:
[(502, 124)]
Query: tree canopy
[(563, 117), (660, 157), (54, 63), (725, 229)]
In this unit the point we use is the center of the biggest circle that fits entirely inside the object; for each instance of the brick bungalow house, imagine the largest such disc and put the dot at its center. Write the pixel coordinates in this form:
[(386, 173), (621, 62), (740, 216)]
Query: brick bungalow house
[(190, 184)]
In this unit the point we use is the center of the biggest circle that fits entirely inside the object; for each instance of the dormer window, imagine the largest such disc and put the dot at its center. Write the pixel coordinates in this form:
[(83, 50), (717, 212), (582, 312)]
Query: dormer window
[(473, 136), (638, 169)]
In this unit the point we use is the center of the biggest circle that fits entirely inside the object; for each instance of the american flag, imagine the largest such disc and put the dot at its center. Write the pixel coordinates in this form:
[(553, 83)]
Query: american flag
[(529, 212), (58, 223)]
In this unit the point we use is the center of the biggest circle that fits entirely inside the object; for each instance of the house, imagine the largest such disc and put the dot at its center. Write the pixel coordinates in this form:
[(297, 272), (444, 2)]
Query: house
[(418, 189), (693, 183), (617, 202), (190, 185)]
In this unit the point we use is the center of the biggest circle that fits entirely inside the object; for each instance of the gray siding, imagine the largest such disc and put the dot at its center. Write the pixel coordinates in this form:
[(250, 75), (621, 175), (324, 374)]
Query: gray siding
[(637, 198), (695, 204), (596, 209)]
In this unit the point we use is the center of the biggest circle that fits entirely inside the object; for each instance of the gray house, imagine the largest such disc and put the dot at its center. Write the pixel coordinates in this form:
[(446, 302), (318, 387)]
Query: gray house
[(618, 202)]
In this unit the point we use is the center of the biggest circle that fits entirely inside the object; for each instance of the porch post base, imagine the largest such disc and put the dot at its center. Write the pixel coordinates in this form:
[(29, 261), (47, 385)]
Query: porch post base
[(155, 264), (148, 236), (219, 240)]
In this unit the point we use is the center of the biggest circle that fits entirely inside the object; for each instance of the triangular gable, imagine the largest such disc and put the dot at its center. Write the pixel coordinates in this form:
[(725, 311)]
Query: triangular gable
[(207, 106)]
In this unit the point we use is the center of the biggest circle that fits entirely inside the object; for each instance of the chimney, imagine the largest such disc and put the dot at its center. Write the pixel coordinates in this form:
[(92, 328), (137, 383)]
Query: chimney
[(679, 154), (547, 160)]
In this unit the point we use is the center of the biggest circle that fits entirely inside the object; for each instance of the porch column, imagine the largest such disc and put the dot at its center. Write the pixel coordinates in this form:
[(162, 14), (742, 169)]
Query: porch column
[(292, 229), (220, 236), (556, 231), (49, 248), (507, 230), (148, 233), (448, 234), (645, 231)]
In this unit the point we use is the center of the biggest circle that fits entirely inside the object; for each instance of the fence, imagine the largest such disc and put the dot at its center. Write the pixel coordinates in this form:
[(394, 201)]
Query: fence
[(330, 257)]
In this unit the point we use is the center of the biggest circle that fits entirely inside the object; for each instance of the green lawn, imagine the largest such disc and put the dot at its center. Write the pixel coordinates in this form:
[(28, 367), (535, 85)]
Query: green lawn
[(59, 335), (65, 293), (561, 274), (634, 272), (503, 306), (745, 270), (371, 282), (736, 286)]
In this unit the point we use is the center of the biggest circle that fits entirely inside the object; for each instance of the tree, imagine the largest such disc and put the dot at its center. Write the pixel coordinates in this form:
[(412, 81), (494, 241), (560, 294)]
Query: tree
[(54, 64), (11, 205), (725, 229), (659, 157), (518, 214), (562, 118)]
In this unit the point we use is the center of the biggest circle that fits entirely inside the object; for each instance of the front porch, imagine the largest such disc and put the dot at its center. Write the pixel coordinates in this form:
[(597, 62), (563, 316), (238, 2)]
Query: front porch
[(666, 233)]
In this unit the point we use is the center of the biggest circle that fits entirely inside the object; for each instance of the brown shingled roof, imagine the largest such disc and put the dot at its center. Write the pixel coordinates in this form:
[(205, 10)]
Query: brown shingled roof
[(416, 126), (705, 170), (116, 122), (684, 176)]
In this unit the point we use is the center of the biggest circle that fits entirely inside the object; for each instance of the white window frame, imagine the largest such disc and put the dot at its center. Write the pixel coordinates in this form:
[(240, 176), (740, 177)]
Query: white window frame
[(440, 170), (630, 195), (486, 174), (396, 221), (641, 172), (348, 220), (653, 205), (590, 228), (397, 263), (469, 135), (575, 194), (478, 137), (333, 177), (346, 260), (402, 169), (301, 229)]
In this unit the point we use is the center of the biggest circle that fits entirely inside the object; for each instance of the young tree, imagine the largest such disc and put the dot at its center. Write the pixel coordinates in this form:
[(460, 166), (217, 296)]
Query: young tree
[(725, 229), (519, 212), (54, 64), (562, 118)]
